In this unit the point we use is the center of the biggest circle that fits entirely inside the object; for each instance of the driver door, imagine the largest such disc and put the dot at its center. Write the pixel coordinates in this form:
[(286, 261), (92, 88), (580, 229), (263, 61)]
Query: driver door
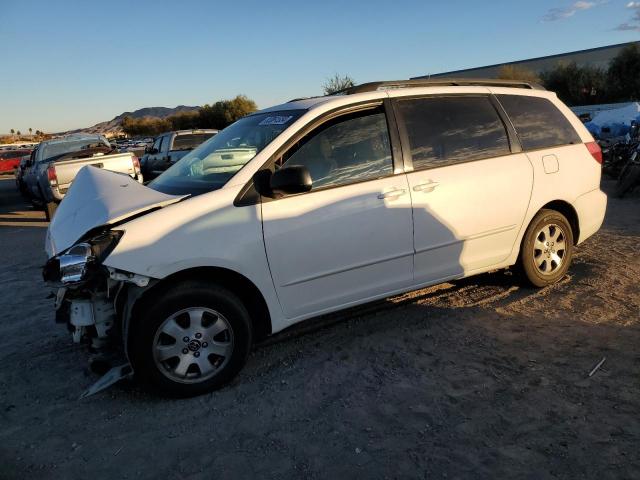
[(349, 239)]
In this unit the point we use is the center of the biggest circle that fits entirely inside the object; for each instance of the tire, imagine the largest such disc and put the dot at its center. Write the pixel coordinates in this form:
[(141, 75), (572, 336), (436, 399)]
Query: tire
[(49, 210), (629, 178), (546, 265), (199, 360)]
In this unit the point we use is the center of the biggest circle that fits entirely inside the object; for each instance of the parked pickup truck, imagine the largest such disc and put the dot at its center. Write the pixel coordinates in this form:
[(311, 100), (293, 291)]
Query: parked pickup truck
[(56, 163), (170, 147)]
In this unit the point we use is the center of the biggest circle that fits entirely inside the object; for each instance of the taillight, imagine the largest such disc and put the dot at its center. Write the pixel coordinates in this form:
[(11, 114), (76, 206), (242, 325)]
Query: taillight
[(51, 175), (595, 151), (136, 164)]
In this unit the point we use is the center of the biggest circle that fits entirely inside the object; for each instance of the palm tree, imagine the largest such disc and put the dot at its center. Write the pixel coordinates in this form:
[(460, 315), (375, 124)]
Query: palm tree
[(30, 134), (13, 132), (18, 133)]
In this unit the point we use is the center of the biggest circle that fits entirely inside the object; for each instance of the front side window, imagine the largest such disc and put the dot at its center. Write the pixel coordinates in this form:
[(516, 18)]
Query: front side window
[(448, 130), (212, 164), (538, 122), (345, 150)]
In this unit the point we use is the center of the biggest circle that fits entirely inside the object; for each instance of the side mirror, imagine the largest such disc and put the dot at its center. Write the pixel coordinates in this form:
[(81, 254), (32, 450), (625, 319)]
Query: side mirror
[(289, 180), (147, 149)]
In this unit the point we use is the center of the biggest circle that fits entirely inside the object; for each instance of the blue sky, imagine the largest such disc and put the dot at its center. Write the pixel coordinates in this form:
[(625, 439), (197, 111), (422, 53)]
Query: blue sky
[(71, 64)]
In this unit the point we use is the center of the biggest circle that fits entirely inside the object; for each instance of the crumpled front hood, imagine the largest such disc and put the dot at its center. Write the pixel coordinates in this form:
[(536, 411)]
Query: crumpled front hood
[(99, 197)]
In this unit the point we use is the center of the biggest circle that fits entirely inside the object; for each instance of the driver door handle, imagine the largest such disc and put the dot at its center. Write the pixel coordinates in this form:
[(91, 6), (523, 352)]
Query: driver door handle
[(393, 193), (425, 187)]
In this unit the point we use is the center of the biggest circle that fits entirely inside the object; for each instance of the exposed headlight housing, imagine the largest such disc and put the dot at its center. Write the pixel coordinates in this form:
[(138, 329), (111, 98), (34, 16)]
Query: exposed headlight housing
[(77, 262), (73, 263)]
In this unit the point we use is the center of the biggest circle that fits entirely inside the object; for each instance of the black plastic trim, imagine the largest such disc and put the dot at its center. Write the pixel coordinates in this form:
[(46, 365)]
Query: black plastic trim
[(394, 137), (514, 140)]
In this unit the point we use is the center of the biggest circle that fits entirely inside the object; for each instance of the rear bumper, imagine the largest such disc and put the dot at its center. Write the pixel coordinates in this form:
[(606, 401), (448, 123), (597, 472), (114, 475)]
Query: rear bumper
[(591, 208)]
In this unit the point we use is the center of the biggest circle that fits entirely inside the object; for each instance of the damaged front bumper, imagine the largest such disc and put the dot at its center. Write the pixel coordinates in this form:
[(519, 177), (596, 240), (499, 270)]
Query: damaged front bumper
[(95, 301)]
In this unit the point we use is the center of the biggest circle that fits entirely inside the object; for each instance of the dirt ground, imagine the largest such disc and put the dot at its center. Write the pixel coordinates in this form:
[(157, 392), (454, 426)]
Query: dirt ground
[(479, 378)]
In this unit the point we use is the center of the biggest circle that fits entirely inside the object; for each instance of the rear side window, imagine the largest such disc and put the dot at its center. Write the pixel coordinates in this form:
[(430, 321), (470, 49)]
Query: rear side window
[(190, 141), (448, 130), (538, 122)]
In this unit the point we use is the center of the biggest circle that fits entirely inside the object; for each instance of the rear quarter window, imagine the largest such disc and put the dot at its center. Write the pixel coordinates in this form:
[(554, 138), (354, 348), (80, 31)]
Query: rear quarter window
[(538, 122)]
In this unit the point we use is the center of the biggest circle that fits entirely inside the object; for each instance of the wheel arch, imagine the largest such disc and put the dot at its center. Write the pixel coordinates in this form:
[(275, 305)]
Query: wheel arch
[(240, 285), (566, 209)]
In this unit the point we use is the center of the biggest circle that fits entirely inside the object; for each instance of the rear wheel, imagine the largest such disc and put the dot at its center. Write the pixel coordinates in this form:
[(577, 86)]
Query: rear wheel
[(547, 248), (190, 340)]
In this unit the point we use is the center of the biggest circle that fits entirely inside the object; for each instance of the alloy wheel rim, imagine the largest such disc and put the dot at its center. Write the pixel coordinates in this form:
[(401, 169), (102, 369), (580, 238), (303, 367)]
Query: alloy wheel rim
[(193, 345), (549, 249)]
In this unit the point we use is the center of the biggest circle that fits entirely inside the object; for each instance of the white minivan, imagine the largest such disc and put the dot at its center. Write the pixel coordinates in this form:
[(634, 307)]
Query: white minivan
[(317, 205)]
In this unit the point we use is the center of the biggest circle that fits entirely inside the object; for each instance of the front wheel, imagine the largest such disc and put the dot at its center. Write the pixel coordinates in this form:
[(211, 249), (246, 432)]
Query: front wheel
[(547, 248), (189, 340)]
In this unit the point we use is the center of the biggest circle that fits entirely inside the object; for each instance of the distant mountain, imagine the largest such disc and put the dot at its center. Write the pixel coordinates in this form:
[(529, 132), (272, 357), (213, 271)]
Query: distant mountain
[(160, 112), (113, 127)]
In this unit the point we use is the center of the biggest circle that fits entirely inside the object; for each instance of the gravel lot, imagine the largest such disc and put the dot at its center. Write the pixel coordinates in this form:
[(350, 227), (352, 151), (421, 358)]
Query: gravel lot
[(478, 378)]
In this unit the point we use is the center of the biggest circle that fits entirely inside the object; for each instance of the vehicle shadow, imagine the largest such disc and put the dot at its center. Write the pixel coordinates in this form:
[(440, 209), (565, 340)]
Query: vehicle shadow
[(15, 211)]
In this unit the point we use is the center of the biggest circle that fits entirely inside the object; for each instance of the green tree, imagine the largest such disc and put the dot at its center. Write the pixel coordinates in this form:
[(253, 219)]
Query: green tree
[(18, 133), (185, 120), (30, 130), (13, 132), (623, 76), (145, 126), (337, 83), (223, 113), (577, 85)]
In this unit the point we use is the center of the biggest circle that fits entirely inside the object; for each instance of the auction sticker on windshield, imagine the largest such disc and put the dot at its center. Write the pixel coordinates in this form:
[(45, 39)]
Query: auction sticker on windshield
[(276, 120)]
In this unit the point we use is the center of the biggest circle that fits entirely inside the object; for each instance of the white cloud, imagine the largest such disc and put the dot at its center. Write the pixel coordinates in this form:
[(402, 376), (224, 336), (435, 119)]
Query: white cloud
[(559, 13), (633, 24)]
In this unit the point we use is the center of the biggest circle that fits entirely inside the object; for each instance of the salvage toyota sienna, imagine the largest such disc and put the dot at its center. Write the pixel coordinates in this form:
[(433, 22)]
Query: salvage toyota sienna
[(314, 206)]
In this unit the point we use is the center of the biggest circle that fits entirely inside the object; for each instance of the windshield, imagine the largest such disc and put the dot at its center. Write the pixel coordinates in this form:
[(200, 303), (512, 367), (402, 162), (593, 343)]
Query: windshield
[(56, 149), (212, 164)]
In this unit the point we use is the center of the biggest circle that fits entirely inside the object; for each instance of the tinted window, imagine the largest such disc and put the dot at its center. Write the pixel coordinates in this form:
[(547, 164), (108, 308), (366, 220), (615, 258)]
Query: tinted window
[(538, 122), (190, 141), (447, 130), (346, 150)]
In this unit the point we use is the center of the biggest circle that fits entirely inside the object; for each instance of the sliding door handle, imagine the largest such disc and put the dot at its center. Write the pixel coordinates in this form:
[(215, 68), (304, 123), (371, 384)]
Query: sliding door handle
[(425, 187)]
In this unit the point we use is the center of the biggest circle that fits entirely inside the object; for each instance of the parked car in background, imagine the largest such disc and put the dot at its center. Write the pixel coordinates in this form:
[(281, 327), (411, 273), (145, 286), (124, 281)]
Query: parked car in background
[(20, 171), (344, 199), (56, 163), (10, 159), (170, 147)]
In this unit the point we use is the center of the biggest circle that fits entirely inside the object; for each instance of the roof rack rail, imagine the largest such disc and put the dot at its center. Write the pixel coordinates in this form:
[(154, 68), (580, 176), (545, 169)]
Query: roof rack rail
[(438, 82)]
